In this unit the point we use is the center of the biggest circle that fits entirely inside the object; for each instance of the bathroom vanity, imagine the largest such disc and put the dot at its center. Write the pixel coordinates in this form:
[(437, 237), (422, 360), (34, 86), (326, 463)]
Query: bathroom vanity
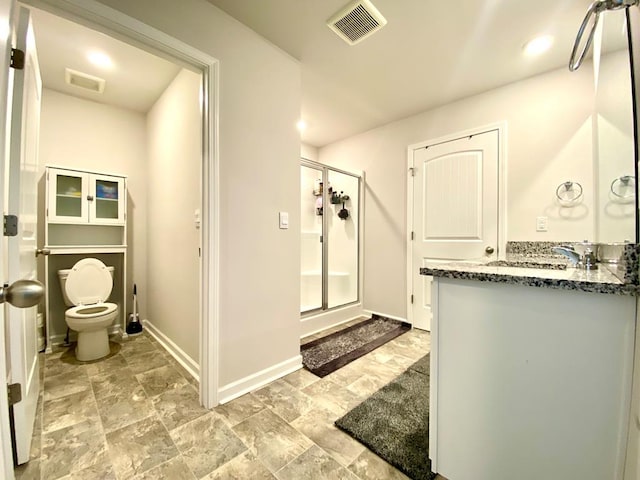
[(531, 372), (85, 216)]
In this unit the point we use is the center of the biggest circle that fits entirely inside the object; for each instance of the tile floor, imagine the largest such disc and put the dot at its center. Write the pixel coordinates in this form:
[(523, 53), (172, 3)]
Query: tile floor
[(135, 415)]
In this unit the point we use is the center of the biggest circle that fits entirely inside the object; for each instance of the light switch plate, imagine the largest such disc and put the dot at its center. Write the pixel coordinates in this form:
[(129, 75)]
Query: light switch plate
[(284, 220), (196, 218)]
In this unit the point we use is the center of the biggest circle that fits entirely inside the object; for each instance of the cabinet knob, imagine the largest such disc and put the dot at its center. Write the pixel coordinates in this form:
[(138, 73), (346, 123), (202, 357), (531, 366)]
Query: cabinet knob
[(90, 198), (489, 250), (42, 251)]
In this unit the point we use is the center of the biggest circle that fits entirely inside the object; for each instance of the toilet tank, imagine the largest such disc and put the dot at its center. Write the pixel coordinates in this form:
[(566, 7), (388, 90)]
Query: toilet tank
[(62, 276)]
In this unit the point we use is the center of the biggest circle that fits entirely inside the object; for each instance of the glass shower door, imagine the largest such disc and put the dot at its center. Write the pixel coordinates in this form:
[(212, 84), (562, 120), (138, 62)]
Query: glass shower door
[(342, 238), (330, 237), (311, 251)]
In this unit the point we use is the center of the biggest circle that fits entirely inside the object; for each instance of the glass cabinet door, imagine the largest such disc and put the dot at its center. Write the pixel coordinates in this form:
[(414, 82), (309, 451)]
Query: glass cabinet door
[(107, 205), (67, 196)]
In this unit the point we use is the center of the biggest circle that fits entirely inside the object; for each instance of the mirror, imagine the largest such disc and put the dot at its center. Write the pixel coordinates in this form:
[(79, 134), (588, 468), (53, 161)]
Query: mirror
[(613, 132)]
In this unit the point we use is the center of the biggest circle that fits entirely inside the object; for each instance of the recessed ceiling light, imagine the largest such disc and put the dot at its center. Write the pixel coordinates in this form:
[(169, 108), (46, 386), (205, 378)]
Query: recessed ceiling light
[(538, 45), (301, 125), (100, 59)]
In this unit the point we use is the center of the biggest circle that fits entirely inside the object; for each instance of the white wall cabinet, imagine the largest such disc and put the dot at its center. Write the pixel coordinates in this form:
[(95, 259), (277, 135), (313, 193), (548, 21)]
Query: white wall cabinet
[(82, 197), (85, 216)]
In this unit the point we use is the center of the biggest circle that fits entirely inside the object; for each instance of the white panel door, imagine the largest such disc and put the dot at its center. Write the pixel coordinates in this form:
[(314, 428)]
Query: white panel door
[(22, 201), (6, 462), (455, 209)]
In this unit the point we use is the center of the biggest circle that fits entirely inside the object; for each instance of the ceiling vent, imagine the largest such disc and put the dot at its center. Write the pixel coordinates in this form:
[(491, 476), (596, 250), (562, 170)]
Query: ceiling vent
[(357, 21), (83, 80)]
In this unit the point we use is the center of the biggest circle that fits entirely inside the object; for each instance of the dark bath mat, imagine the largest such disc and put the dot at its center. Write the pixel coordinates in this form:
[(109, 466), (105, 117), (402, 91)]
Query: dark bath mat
[(327, 354), (394, 422)]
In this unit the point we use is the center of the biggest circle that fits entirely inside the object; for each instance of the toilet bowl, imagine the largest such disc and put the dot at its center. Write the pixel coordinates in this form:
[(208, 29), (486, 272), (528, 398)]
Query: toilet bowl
[(85, 288)]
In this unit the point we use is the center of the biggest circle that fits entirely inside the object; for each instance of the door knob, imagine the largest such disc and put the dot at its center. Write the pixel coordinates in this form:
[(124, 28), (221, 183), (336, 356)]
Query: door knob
[(42, 251), (22, 293), (489, 250)]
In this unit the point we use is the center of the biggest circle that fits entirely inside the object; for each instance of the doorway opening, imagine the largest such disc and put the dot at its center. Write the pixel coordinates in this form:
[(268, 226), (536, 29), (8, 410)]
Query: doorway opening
[(203, 217)]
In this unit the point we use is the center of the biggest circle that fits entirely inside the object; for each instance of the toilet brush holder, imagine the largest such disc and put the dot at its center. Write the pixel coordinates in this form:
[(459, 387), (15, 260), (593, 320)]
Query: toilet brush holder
[(134, 326)]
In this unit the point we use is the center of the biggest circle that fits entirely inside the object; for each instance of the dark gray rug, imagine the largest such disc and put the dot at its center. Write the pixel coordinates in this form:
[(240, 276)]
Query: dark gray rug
[(327, 354), (394, 422)]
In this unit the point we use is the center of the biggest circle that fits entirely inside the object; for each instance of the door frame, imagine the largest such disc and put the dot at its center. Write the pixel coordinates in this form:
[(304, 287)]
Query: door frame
[(501, 127), (134, 32)]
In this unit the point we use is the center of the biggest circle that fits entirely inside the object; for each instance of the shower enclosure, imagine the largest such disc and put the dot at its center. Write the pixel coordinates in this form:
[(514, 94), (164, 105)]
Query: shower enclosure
[(330, 237)]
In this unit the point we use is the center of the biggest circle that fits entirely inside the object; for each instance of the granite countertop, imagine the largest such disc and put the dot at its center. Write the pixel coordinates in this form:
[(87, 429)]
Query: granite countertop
[(602, 280)]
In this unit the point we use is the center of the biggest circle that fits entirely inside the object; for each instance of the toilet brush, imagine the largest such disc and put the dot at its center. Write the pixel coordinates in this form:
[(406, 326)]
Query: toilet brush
[(134, 326)]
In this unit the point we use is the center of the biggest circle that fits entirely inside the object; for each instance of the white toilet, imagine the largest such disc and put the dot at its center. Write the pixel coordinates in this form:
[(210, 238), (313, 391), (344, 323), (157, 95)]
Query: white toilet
[(85, 287)]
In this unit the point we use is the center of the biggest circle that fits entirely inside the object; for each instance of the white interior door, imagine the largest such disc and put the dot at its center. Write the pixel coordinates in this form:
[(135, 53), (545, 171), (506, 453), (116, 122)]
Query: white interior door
[(6, 462), (22, 201), (455, 209)]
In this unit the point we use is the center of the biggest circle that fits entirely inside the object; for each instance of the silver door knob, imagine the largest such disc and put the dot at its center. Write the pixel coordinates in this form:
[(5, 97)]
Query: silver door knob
[(42, 251), (489, 250), (22, 293)]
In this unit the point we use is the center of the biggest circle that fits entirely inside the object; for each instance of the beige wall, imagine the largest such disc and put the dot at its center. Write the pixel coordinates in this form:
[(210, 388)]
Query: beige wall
[(309, 152), (259, 176), (87, 135), (174, 129), (548, 141)]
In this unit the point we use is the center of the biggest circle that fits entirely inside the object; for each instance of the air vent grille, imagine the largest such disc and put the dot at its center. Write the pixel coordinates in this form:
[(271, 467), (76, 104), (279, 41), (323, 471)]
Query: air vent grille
[(357, 21), (84, 80)]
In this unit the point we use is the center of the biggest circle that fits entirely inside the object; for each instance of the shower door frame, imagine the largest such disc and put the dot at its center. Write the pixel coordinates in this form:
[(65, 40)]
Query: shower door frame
[(324, 307)]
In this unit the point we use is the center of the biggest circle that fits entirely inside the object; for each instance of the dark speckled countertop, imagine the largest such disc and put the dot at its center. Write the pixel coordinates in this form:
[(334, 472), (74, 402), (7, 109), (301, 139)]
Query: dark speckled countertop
[(535, 264), (601, 280)]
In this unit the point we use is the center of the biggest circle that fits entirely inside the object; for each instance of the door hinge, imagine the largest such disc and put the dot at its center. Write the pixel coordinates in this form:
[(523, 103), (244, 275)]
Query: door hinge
[(412, 171), (17, 59), (321, 239), (10, 226), (14, 393), (413, 235), (411, 299)]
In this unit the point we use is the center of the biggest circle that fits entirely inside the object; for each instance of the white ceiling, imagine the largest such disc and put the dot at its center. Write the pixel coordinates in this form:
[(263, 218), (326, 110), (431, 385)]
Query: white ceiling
[(430, 53), (135, 81)]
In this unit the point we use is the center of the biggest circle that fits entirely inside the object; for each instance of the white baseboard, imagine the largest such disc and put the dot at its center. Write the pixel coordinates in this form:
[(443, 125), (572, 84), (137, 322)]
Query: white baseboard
[(392, 317), (321, 321), (188, 363), (259, 379)]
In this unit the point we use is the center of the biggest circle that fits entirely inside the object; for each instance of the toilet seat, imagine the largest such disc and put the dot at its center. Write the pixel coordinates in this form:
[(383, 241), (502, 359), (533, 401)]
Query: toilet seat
[(89, 283), (91, 311)]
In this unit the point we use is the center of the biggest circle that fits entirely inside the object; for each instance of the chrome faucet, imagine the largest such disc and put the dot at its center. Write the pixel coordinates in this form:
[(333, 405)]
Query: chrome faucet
[(569, 252), (586, 261)]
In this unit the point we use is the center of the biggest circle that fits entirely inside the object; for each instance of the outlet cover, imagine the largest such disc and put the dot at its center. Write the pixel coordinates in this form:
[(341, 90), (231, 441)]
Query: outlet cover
[(541, 224)]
